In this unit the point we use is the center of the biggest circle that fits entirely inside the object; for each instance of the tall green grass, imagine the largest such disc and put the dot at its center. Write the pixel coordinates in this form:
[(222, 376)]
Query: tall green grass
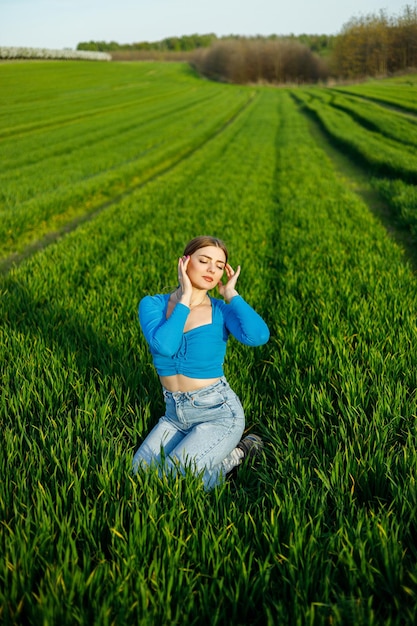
[(345, 409), (402, 199), (322, 530)]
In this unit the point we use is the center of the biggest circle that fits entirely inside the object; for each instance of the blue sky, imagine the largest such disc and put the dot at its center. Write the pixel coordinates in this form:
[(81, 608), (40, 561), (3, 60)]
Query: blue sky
[(64, 23)]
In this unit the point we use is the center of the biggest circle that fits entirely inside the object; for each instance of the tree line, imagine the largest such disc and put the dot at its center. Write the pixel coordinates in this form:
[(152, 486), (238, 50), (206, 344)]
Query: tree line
[(320, 44), (372, 45), (185, 43)]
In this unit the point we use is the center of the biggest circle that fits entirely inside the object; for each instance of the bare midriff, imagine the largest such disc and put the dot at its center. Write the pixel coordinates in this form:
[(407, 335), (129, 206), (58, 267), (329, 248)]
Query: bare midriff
[(185, 384)]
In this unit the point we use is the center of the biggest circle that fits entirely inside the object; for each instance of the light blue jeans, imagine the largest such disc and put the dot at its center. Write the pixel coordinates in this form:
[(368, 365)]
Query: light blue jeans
[(199, 429)]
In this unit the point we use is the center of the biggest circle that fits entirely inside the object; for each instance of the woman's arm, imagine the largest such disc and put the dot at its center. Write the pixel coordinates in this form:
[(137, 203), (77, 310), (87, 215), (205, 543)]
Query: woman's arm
[(240, 319), (244, 323), (164, 336)]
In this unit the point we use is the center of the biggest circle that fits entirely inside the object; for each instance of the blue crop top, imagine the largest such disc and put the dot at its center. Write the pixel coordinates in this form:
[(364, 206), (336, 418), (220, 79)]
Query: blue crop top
[(199, 352)]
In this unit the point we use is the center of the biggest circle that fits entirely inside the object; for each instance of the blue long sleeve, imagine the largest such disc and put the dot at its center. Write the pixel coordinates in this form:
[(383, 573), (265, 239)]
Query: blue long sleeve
[(164, 336), (244, 323)]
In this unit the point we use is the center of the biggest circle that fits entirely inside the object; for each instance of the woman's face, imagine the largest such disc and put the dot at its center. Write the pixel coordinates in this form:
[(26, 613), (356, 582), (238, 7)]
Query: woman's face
[(206, 266)]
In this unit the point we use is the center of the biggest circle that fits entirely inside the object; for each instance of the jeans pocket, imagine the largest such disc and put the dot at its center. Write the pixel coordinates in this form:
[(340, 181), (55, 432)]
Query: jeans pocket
[(210, 400)]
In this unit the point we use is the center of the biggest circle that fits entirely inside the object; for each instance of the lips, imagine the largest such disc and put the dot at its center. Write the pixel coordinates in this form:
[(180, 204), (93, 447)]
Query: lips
[(208, 279)]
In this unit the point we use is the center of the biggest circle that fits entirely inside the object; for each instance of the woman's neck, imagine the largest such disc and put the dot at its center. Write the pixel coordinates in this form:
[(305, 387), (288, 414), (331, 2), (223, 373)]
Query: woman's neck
[(198, 297)]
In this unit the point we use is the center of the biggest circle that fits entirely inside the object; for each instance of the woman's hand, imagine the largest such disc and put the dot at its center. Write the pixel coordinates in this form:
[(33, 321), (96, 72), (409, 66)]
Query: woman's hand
[(184, 281), (228, 290)]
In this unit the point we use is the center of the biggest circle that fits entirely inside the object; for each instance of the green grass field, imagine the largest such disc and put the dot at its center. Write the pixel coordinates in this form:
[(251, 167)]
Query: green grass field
[(107, 171)]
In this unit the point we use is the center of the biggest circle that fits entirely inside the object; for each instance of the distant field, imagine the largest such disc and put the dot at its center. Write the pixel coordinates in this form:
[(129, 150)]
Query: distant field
[(73, 139), (107, 170)]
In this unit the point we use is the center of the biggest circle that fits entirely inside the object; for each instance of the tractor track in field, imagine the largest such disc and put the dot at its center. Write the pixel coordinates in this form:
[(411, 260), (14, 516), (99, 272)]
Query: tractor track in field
[(62, 149), (15, 259), (356, 178), (403, 109), (67, 120)]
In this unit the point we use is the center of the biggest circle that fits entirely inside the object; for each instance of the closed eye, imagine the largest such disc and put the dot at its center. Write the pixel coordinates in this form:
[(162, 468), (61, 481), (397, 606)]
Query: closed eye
[(204, 261)]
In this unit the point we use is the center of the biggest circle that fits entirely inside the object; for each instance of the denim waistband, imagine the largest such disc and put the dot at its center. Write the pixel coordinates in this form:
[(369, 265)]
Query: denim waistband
[(194, 394)]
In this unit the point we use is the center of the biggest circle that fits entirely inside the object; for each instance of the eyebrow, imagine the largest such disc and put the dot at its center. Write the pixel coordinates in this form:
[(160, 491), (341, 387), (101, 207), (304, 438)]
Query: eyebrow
[(211, 259)]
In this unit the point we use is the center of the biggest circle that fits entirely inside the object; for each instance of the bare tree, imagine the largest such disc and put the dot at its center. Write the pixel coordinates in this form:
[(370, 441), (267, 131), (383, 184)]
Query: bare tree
[(258, 60)]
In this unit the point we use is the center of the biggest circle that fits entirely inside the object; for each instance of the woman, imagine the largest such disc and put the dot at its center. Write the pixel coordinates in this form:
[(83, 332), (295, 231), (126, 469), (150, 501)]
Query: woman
[(187, 332)]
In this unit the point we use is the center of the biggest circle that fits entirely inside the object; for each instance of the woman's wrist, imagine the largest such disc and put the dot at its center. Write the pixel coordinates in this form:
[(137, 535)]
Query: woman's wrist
[(230, 295), (185, 301), (182, 298)]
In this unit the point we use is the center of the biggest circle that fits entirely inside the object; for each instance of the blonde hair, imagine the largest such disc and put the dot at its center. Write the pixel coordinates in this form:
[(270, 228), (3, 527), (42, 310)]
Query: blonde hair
[(203, 241)]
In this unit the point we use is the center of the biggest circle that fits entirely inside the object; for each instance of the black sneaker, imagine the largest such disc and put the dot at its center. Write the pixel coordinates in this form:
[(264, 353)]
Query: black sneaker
[(251, 446)]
